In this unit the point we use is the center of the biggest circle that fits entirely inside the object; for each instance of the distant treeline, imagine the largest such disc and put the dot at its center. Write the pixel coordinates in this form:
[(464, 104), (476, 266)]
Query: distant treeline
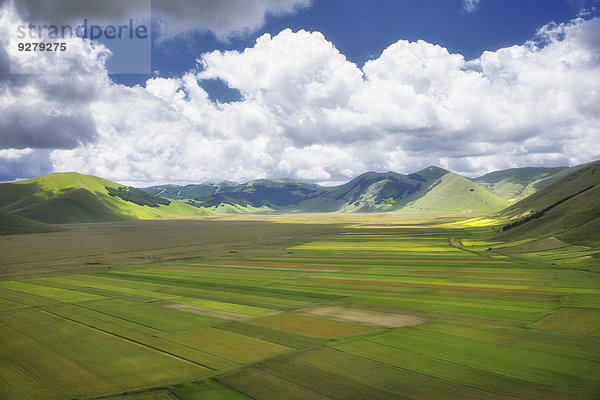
[(137, 196), (539, 214)]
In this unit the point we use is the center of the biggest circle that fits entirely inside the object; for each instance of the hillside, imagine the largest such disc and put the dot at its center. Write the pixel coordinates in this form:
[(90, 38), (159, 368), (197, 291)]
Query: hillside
[(517, 183), (376, 192), (426, 190), (368, 192), (75, 198), (456, 193), (568, 209), (14, 225)]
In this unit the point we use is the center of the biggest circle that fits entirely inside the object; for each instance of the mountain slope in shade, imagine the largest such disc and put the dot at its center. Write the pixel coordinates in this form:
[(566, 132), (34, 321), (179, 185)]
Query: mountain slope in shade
[(188, 192), (517, 183), (14, 225), (75, 198), (568, 209), (371, 191)]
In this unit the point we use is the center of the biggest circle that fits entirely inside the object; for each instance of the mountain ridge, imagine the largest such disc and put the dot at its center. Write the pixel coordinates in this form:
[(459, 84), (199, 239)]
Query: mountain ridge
[(517, 183), (368, 192), (75, 198)]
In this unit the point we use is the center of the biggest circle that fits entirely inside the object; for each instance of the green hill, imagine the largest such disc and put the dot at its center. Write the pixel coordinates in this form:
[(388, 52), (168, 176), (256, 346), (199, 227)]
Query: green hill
[(518, 183), (456, 193), (14, 225), (368, 192), (74, 198), (568, 209)]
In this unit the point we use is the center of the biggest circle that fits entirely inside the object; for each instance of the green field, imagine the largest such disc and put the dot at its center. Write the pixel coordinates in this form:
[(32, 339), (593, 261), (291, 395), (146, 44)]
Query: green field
[(220, 308)]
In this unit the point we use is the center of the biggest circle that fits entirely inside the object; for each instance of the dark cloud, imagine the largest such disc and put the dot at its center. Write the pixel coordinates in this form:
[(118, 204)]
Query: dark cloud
[(67, 11), (32, 164), (24, 127), (46, 111), (224, 18)]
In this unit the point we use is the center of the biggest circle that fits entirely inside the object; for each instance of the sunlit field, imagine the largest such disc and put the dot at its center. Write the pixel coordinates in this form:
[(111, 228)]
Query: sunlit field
[(294, 307)]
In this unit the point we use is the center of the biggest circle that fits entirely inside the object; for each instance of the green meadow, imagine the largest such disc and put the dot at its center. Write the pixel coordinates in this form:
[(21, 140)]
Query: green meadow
[(291, 307)]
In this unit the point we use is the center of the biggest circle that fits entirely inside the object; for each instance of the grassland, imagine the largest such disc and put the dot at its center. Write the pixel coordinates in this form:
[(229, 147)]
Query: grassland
[(92, 311)]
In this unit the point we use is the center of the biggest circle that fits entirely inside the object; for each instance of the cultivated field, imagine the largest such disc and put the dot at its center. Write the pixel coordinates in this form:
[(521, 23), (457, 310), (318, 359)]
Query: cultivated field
[(281, 307)]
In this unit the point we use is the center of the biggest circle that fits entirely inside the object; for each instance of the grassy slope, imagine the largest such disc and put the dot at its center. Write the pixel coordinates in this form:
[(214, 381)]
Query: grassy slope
[(518, 183), (456, 193), (360, 194), (576, 220), (13, 225), (72, 198), (377, 192), (573, 183)]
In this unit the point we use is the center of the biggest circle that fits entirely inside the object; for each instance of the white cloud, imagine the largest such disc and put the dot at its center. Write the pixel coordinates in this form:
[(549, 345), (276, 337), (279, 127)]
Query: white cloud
[(307, 112), (470, 5), (298, 77), (14, 154), (48, 108)]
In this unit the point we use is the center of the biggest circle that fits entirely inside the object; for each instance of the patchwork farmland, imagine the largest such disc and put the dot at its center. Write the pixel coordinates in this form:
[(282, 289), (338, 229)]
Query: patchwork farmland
[(363, 307)]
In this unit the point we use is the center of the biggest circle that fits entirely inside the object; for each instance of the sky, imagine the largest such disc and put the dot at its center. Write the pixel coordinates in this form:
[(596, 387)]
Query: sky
[(318, 90)]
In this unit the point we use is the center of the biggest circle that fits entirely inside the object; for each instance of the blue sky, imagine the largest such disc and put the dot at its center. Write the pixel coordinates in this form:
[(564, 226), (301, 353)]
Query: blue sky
[(320, 90)]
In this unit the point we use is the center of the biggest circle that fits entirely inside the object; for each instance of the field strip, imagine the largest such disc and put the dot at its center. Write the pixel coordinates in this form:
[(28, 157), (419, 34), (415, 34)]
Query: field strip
[(112, 288), (224, 306), (254, 267), (50, 292), (117, 317), (431, 286), (387, 260), (376, 318), (129, 340), (207, 312), (266, 380)]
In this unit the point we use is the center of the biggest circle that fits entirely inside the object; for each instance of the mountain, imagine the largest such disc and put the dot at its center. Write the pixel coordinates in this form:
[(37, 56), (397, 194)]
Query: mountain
[(73, 198), (368, 192), (188, 192), (517, 183), (431, 189), (568, 209)]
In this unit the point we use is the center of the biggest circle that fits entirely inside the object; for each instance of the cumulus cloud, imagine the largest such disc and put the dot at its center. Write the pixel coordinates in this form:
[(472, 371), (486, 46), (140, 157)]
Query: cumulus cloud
[(470, 5), (307, 112), (48, 109), (299, 77)]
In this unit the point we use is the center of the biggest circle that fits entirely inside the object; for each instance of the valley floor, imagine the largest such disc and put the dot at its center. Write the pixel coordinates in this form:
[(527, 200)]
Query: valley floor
[(291, 307)]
